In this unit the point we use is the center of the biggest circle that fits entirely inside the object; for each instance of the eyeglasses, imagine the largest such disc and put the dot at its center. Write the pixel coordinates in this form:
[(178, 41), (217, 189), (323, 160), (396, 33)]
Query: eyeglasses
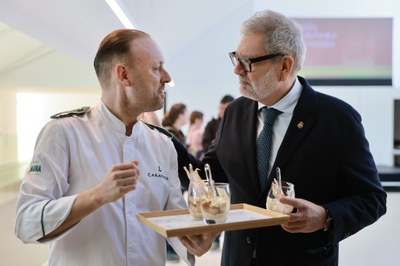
[(245, 63)]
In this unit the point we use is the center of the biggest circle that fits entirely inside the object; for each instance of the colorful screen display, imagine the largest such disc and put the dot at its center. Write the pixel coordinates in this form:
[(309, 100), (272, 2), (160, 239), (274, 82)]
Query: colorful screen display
[(347, 51)]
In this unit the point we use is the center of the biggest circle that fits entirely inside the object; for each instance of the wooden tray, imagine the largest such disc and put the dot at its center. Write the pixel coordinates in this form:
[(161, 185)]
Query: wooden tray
[(179, 222)]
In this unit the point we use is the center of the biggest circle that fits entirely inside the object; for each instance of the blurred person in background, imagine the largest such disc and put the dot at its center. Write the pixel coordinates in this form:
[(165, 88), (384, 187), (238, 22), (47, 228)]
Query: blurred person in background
[(212, 126), (194, 136), (174, 120)]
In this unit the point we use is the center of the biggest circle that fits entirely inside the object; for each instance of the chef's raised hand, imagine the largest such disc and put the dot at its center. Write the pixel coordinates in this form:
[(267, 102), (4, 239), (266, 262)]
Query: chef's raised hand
[(119, 180)]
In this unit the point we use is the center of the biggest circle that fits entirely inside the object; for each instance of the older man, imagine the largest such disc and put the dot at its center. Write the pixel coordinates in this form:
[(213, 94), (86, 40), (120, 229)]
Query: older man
[(317, 141)]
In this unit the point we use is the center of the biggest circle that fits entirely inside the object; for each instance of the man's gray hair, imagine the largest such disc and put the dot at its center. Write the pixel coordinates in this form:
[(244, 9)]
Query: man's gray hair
[(281, 35)]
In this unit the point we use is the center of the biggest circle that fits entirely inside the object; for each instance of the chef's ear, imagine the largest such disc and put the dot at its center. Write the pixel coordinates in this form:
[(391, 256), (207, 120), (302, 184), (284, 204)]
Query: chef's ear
[(121, 74)]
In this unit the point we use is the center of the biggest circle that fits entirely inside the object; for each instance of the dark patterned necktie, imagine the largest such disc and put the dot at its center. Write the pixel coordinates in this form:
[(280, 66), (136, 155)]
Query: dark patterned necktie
[(264, 145)]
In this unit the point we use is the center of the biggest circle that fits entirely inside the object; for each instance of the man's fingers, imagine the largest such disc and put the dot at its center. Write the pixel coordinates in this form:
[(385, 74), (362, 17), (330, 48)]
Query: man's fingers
[(125, 166), (296, 203), (129, 181), (124, 170), (188, 243), (291, 229), (126, 173), (198, 244)]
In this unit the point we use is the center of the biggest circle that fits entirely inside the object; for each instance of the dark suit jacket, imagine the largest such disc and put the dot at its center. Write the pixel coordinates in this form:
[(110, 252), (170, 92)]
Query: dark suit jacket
[(327, 159)]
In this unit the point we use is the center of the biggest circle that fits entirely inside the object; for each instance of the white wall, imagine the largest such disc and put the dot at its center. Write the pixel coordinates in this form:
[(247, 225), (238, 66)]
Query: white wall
[(8, 125), (23, 113), (57, 82), (53, 70), (34, 111)]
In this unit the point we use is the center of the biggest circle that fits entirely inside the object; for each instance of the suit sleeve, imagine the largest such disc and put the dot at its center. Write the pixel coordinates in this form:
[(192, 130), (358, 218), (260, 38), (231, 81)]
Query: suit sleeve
[(364, 199), (184, 159), (210, 157), (208, 135)]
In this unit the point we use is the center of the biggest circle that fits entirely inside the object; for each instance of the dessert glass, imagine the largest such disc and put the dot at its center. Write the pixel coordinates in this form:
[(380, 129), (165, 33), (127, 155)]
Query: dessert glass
[(275, 193), (215, 203)]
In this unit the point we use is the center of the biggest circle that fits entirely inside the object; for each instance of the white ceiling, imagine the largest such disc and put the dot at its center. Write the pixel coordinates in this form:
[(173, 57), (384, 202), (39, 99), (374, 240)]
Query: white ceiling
[(76, 27)]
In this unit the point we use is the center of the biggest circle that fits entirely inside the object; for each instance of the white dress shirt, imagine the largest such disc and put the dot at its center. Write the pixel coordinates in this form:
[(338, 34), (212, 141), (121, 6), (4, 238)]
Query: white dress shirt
[(73, 155), (286, 105)]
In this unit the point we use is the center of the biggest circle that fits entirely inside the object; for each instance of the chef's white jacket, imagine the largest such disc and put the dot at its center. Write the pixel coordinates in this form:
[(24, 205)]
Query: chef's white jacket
[(72, 155)]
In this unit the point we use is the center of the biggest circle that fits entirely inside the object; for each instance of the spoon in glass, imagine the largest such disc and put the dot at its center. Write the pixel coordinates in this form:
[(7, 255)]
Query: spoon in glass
[(279, 179), (210, 180)]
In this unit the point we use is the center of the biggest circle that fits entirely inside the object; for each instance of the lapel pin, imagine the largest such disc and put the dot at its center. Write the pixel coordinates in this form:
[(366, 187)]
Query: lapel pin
[(300, 125)]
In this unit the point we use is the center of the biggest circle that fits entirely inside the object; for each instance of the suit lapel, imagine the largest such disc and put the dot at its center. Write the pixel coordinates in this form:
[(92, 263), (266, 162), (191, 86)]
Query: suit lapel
[(301, 123), (249, 143)]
